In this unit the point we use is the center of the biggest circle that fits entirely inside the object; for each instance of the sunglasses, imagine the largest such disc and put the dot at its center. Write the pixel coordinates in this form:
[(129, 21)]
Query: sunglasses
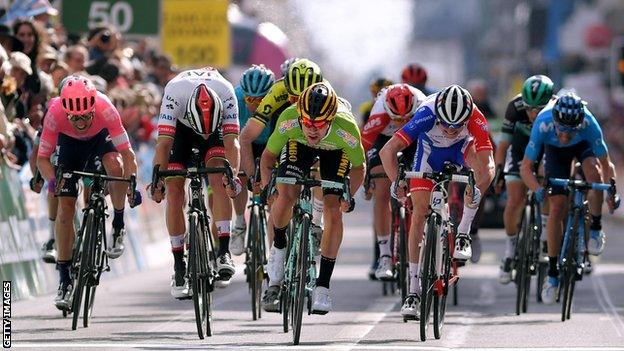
[(316, 124), (253, 99), (566, 129), (533, 108), (452, 126), (76, 118)]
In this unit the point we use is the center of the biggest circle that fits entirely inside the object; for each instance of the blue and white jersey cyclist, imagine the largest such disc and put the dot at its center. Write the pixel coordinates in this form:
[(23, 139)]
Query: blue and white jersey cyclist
[(567, 130)]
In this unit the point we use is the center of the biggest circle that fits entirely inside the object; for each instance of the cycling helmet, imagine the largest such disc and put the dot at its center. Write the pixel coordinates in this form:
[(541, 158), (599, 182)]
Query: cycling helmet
[(318, 103), (377, 84), (569, 110), (399, 102), (78, 95), (414, 74), (204, 110), (286, 64), (257, 80), (453, 105), (537, 90), (302, 74)]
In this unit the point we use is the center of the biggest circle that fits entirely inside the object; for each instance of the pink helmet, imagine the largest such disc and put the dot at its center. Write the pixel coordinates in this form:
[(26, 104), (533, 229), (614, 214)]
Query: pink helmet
[(78, 95)]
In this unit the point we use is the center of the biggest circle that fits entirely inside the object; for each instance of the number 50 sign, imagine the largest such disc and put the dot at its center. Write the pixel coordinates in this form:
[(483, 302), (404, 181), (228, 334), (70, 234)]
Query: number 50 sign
[(128, 16)]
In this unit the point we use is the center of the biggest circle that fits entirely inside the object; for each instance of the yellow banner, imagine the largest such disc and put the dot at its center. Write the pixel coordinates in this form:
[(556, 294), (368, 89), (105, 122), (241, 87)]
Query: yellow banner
[(196, 33)]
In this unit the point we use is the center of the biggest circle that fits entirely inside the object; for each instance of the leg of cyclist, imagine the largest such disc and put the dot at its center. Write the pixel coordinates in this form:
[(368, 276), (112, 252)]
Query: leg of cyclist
[(420, 197), (383, 219), (474, 233), (237, 241), (593, 173), (65, 234), (113, 165), (176, 226), (49, 250), (516, 197)]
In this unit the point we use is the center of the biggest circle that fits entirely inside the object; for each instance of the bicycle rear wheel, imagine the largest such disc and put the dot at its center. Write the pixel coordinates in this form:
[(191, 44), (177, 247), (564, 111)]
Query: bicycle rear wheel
[(84, 261), (301, 280), (522, 265), (428, 275), (439, 299), (569, 268)]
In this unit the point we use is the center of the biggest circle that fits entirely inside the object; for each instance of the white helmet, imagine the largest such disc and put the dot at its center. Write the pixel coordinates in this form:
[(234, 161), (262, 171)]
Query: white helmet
[(204, 110), (453, 105)]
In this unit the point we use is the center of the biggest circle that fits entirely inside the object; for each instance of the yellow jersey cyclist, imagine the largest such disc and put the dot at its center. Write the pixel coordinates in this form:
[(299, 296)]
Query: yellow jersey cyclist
[(537, 92), (255, 83), (375, 87), (320, 125), (567, 130), (198, 110)]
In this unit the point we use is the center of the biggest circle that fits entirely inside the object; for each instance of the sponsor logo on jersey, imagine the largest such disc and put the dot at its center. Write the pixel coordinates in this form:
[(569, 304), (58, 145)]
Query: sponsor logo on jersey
[(281, 97), (166, 117), (169, 98), (169, 106), (546, 127), (288, 125), (372, 123), (348, 138)]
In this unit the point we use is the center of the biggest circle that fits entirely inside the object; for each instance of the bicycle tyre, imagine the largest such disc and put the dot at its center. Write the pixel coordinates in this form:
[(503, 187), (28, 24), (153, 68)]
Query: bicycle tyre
[(569, 269), (300, 292), (439, 301), (91, 284), (209, 263), (428, 275), (253, 265), (521, 260), (195, 269), (403, 252), (85, 262), (285, 295)]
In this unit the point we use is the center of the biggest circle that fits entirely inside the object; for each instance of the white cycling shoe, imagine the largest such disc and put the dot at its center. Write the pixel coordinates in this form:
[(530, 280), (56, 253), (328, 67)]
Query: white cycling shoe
[(596, 243), (321, 300), (384, 269), (463, 249), (275, 265), (237, 241)]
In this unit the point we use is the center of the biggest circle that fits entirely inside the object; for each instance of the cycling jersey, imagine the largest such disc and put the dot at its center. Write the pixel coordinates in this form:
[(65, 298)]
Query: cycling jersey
[(273, 103), (543, 133), (178, 91), (106, 117), (380, 123), (365, 110), (516, 120), (342, 135), (244, 114)]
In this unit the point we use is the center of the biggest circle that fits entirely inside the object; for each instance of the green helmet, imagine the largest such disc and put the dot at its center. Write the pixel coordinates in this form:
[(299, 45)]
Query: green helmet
[(537, 90), (301, 74)]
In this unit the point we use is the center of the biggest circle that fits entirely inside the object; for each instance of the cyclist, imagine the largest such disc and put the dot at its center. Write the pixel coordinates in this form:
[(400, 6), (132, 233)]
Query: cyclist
[(286, 65), (322, 125), (198, 110), (567, 130), (301, 74), (394, 107), (416, 76), (80, 125), (446, 127), (521, 112), (254, 85), (375, 87)]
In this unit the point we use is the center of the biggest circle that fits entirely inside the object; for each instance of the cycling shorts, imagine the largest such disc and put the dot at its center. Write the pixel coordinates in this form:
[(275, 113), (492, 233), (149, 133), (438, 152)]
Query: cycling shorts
[(431, 159), (185, 139), (558, 162)]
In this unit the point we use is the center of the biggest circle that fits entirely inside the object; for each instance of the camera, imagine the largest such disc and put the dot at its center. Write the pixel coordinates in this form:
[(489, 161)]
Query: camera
[(106, 36)]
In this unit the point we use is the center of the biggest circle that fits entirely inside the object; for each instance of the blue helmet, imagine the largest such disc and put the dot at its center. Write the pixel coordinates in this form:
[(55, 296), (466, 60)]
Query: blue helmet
[(257, 80), (569, 110)]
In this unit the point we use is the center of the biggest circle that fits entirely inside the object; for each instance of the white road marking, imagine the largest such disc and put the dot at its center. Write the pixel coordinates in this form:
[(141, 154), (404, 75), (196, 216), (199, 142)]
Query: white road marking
[(604, 298)]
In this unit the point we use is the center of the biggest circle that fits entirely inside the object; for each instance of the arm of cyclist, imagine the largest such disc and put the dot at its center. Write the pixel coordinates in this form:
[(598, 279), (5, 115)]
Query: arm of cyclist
[(482, 161), (232, 153), (388, 155), (161, 159), (250, 132), (267, 161)]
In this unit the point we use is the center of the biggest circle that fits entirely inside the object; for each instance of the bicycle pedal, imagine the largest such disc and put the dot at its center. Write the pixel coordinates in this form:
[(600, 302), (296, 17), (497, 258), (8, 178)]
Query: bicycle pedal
[(460, 262), (322, 313)]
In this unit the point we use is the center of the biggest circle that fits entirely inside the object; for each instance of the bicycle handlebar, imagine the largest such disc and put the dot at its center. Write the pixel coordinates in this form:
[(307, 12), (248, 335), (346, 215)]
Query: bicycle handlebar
[(582, 185), (101, 176)]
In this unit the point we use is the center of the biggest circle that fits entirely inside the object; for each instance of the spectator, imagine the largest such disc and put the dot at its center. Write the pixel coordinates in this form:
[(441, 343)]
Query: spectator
[(102, 42), (42, 10), (32, 37), (58, 71), (163, 70), (479, 92), (48, 57), (76, 58), (9, 41)]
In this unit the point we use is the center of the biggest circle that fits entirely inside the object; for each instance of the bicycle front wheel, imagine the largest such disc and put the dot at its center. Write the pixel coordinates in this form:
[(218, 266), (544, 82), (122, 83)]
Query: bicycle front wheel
[(253, 267), (95, 247), (84, 262), (522, 273), (403, 265), (198, 269), (439, 299), (569, 267), (301, 278), (428, 275)]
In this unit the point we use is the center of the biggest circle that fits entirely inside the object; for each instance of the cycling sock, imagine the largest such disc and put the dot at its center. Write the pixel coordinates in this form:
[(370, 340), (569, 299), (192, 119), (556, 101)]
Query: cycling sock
[(327, 268), (279, 241), (596, 223), (240, 221), (553, 271), (63, 268), (466, 221), (384, 245), (118, 219), (317, 212), (510, 247), (414, 271), (223, 232), (376, 253), (178, 261), (544, 232), (52, 225)]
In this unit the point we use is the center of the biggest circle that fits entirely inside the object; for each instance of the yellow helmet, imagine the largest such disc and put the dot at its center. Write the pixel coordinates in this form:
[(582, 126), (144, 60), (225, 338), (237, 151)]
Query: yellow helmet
[(377, 84), (301, 74), (318, 104)]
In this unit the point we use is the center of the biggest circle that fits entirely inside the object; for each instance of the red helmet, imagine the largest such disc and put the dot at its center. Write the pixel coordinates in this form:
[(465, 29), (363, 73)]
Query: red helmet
[(414, 74), (204, 110), (78, 95), (399, 101)]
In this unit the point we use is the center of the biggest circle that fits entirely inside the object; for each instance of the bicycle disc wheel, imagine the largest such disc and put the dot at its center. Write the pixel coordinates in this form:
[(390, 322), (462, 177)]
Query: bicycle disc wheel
[(84, 268), (301, 278), (428, 276), (439, 301), (569, 269)]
